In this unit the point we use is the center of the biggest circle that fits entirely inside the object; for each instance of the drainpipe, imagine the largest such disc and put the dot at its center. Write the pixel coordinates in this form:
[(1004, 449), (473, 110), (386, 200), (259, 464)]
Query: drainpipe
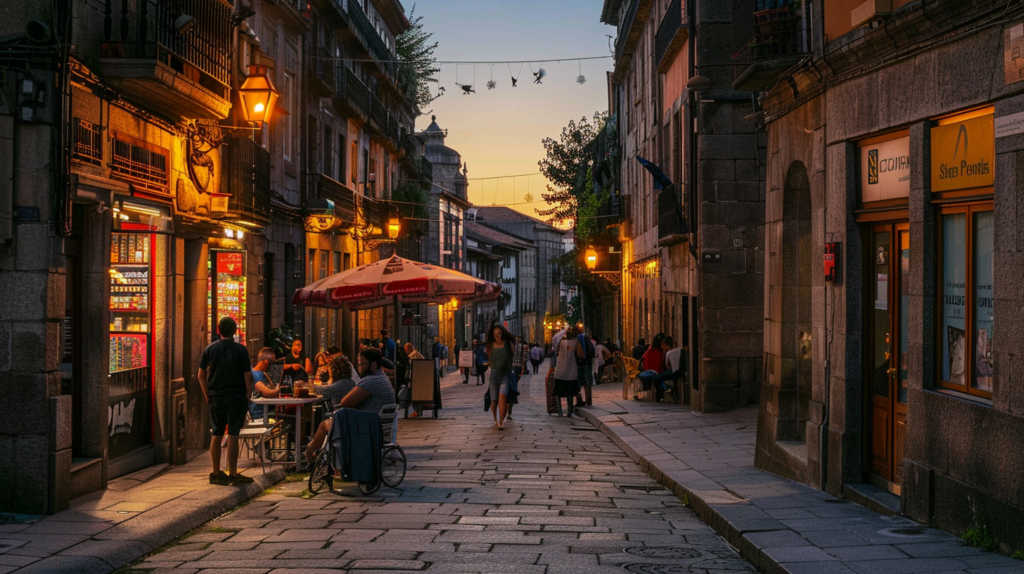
[(691, 196)]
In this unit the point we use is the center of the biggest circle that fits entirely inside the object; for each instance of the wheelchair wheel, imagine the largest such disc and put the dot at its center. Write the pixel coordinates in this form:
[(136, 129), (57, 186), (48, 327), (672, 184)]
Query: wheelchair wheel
[(370, 487), (321, 475), (392, 465)]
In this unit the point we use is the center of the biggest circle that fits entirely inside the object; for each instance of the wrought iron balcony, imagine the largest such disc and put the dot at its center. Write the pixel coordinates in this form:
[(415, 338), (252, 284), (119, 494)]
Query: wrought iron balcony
[(344, 198), (247, 173), (625, 28), (175, 54), (426, 170), (671, 36), (322, 68), (671, 225), (351, 91), (769, 36), (370, 38)]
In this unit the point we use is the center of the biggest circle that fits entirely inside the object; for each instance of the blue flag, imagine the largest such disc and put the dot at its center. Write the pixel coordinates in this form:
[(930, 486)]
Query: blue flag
[(661, 181)]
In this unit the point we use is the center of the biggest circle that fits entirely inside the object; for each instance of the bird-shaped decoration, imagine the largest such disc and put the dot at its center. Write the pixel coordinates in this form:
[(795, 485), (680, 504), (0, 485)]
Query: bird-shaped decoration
[(528, 198), (466, 88), (440, 92), (491, 85), (514, 80), (539, 75), (581, 79)]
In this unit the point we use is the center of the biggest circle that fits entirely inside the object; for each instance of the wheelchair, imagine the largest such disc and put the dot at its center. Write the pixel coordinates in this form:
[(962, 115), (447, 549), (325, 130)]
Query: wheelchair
[(392, 462)]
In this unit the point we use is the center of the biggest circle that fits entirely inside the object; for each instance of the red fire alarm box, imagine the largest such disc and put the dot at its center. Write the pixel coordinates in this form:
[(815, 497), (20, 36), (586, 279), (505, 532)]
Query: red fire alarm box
[(831, 261)]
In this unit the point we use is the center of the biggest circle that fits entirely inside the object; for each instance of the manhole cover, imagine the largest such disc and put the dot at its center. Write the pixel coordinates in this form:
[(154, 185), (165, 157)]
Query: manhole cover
[(656, 568), (835, 501), (667, 552), (901, 532)]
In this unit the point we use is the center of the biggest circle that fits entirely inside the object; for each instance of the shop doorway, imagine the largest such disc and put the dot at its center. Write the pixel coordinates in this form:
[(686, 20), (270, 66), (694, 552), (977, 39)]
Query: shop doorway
[(887, 305)]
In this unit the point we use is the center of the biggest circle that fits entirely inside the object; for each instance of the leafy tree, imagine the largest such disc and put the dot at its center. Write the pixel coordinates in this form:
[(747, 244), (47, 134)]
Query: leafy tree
[(565, 160), (411, 200), (417, 64)]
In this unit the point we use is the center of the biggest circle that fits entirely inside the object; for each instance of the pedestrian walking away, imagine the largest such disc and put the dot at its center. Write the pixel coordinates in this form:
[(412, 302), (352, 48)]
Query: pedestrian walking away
[(480, 360), (567, 383), (499, 361), (225, 378), (536, 357)]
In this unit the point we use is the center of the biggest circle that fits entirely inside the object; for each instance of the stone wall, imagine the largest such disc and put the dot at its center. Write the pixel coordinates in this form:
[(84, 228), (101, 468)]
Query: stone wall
[(958, 472)]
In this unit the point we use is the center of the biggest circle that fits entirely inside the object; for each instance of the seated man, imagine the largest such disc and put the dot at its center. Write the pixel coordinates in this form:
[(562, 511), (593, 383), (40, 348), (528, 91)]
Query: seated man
[(675, 369), (262, 386), (373, 391)]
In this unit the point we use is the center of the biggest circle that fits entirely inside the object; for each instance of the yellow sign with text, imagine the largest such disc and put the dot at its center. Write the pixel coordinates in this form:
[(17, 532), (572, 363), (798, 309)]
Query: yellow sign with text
[(963, 154)]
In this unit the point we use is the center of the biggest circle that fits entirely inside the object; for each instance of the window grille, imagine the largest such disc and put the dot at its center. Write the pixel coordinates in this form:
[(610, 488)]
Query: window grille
[(141, 164)]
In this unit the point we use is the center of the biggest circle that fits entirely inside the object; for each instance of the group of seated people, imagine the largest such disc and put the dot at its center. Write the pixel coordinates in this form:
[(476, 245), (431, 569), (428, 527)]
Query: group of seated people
[(367, 389)]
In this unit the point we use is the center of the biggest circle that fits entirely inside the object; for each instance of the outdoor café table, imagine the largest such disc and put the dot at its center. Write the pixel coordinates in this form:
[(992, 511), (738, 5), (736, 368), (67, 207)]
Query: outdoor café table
[(300, 403)]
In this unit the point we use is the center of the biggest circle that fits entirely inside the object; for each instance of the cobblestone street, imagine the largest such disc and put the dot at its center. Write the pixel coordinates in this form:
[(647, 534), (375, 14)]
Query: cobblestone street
[(546, 495)]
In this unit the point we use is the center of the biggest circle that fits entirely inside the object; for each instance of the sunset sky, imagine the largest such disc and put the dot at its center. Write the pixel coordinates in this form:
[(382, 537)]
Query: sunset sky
[(499, 131)]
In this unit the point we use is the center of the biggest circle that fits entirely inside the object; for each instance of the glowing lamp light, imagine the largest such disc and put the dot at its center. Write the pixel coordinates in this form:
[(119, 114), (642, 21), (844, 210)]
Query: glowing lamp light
[(230, 233), (591, 259), (258, 95), (394, 226), (454, 304)]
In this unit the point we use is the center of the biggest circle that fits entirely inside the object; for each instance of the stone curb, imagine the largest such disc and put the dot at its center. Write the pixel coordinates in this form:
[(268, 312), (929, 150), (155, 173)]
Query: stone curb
[(126, 542)]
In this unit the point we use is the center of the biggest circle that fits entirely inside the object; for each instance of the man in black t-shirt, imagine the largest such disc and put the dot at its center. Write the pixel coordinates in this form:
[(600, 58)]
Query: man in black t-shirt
[(226, 379)]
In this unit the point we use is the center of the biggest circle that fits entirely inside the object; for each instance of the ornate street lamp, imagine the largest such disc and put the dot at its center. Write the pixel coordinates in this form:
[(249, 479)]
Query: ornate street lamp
[(394, 226), (258, 95), (591, 259)]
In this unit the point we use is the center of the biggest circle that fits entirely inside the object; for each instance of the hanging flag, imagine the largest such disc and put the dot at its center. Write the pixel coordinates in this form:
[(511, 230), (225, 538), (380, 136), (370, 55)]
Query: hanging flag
[(670, 215), (661, 181)]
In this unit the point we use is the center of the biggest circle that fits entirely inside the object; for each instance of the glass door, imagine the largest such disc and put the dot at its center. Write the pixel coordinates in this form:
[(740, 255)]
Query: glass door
[(888, 306), (131, 318)]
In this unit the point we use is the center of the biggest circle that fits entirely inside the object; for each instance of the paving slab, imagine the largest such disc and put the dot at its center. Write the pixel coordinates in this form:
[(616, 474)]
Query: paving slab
[(106, 530), (547, 495), (777, 524)]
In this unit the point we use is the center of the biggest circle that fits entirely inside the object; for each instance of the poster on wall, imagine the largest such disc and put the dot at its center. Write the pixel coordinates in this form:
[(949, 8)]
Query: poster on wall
[(954, 308), (955, 343)]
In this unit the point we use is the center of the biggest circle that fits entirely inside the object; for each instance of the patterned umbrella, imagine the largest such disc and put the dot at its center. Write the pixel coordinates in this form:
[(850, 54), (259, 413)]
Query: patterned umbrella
[(391, 281)]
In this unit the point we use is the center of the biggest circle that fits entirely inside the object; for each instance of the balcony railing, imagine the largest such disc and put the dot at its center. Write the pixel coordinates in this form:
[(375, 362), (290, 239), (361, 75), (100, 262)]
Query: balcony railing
[(352, 90), (378, 114), (323, 67), (624, 29), (148, 32), (765, 33), (671, 35), (247, 168), (671, 227), (426, 170), (343, 197), (371, 39)]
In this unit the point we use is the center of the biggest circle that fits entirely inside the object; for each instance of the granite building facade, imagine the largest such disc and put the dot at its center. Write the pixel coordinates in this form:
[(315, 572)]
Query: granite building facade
[(893, 183)]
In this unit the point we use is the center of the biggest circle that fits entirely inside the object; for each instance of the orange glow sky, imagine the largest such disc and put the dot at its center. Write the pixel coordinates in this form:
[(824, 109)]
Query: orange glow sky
[(499, 131)]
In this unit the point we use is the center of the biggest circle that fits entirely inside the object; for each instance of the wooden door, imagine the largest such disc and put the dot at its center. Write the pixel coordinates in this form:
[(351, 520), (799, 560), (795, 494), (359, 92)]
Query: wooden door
[(888, 298)]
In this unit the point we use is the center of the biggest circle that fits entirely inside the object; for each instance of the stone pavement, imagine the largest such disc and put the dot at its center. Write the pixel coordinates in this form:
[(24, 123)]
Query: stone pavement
[(106, 530), (546, 495), (778, 525)]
